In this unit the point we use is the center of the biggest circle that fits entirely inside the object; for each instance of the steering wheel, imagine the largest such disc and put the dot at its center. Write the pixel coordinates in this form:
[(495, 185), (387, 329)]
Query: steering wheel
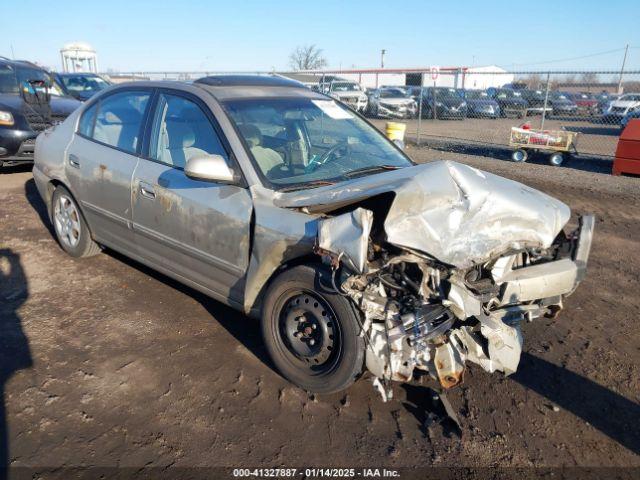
[(313, 164)]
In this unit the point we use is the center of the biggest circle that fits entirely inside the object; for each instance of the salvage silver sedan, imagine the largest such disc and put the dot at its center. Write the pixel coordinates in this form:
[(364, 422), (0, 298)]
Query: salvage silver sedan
[(284, 204)]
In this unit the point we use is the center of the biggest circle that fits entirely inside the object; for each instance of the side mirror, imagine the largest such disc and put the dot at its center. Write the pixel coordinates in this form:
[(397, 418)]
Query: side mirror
[(210, 168)]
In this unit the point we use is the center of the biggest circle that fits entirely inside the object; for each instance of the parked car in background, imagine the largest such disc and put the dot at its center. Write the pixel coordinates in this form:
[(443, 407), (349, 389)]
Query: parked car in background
[(443, 103), (562, 104), (286, 205), (480, 104), (617, 109), (604, 100), (586, 102), (349, 93), (629, 116), (30, 102), (511, 101), (391, 103), (81, 86), (536, 101)]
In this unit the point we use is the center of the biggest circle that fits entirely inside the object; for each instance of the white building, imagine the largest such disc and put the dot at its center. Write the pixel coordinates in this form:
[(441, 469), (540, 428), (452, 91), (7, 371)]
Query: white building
[(481, 78), (79, 57)]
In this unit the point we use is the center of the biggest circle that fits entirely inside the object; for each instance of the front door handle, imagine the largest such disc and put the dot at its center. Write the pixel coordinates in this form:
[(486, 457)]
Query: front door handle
[(147, 191), (74, 161)]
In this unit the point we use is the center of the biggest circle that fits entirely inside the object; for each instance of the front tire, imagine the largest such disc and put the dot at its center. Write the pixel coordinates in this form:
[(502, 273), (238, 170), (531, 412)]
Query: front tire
[(312, 332), (72, 231)]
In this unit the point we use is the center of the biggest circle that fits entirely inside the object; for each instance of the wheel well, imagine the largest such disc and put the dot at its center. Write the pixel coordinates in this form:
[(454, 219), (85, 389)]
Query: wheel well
[(310, 259)]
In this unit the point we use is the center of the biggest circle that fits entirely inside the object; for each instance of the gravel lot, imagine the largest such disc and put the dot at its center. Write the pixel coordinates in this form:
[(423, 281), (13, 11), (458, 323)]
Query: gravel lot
[(106, 363), (594, 139)]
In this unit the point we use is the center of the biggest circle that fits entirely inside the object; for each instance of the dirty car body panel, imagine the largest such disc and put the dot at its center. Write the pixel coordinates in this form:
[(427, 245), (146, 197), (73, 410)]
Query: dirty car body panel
[(441, 262)]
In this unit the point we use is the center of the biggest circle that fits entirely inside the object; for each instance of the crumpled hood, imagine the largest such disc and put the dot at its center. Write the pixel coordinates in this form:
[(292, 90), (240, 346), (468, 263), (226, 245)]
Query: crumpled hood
[(455, 213), (463, 216)]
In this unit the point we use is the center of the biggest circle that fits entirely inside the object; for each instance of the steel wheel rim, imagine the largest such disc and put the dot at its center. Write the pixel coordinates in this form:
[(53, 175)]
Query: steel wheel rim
[(66, 219), (309, 331)]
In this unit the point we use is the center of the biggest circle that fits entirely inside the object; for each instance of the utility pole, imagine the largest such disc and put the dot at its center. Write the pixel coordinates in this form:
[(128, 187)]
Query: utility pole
[(13, 54), (382, 52), (624, 60)]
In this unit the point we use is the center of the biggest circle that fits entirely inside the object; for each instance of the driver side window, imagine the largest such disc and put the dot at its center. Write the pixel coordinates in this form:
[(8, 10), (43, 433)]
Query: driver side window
[(181, 131)]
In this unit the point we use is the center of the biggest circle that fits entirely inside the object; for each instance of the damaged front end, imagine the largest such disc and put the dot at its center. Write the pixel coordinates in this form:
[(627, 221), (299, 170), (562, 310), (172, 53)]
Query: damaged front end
[(435, 313)]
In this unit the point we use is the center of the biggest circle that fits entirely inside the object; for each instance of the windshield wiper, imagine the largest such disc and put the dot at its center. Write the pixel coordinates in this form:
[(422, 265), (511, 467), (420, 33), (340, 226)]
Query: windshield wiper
[(303, 186), (365, 170)]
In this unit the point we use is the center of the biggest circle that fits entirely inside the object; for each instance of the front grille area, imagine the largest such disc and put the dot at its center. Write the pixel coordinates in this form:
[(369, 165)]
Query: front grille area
[(37, 122)]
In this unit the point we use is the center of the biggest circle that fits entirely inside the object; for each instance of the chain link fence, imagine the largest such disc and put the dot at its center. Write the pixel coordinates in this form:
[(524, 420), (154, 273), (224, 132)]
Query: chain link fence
[(447, 108)]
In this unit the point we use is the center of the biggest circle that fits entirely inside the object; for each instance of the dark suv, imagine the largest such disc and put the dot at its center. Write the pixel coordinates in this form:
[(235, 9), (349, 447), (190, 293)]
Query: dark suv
[(21, 120), (443, 102), (511, 101)]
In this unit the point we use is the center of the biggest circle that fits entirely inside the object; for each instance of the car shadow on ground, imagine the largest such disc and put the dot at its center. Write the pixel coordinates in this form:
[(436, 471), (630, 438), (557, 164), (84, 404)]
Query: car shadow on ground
[(607, 411), (580, 162), (613, 130), (611, 413), (15, 353), (31, 192)]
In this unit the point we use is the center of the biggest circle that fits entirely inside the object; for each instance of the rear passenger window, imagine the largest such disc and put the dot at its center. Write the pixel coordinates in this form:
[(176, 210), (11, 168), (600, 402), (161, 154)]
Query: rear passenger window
[(119, 119), (86, 121)]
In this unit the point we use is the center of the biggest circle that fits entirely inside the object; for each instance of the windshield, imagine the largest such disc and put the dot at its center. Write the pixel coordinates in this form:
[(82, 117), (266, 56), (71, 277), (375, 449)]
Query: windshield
[(508, 94), (446, 92), (304, 142), (630, 98), (558, 96), (83, 83), (476, 95), (344, 87), (393, 93), (11, 77)]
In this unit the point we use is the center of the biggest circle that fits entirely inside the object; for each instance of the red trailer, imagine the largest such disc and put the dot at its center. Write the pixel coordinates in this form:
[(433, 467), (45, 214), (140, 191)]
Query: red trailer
[(628, 152)]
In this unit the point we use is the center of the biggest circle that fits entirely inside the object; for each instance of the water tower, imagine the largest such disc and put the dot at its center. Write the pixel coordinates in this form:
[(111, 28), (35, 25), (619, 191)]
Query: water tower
[(79, 57)]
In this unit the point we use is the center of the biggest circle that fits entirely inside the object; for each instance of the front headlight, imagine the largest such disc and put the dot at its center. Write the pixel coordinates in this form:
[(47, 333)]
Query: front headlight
[(6, 118)]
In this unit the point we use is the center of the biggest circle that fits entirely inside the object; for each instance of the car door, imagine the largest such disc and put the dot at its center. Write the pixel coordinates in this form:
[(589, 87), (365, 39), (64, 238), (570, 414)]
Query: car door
[(196, 230), (101, 160)]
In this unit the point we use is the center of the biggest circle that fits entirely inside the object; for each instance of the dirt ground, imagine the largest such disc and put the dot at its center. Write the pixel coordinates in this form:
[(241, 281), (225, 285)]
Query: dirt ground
[(106, 363)]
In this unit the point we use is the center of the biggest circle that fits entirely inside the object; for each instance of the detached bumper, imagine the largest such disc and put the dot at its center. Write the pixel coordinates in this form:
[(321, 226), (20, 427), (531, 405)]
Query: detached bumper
[(552, 279)]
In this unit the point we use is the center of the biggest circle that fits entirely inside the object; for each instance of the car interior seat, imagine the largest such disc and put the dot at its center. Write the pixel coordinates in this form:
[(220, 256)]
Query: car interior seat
[(267, 158), (177, 143)]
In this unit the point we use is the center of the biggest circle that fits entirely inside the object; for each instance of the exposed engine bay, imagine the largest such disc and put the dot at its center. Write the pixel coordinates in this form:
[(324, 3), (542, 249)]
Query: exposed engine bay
[(420, 312)]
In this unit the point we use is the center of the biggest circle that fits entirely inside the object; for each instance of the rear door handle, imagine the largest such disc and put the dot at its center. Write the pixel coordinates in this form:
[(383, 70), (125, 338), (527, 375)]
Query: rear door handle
[(147, 191), (74, 161)]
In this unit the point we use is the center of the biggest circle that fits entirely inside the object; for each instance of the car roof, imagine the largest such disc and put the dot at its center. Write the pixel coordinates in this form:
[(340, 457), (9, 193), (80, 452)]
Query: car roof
[(23, 63), (226, 87), (75, 74)]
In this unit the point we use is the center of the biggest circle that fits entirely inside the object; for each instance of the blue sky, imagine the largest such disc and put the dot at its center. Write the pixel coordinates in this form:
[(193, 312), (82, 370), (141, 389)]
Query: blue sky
[(259, 35)]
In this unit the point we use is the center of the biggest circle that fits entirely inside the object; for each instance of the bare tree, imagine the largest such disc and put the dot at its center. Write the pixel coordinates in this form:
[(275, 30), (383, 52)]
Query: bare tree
[(589, 78), (307, 57)]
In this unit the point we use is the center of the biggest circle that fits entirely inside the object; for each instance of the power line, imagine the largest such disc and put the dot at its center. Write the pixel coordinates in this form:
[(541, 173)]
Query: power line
[(569, 59)]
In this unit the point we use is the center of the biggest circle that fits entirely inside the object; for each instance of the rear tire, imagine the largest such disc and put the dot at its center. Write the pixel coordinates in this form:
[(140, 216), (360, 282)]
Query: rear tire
[(72, 231), (311, 332)]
